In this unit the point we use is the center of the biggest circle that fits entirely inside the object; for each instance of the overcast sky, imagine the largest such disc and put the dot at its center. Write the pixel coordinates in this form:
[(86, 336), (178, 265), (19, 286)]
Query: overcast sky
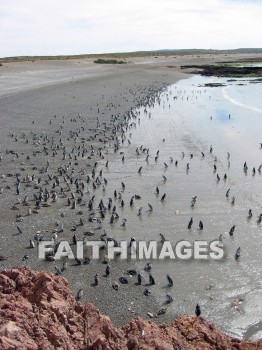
[(53, 27)]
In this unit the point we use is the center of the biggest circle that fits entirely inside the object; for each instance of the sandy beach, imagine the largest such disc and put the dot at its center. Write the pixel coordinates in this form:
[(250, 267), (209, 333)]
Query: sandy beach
[(58, 119)]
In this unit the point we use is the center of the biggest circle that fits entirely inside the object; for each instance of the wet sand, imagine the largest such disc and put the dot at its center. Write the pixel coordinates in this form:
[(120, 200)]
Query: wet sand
[(55, 106)]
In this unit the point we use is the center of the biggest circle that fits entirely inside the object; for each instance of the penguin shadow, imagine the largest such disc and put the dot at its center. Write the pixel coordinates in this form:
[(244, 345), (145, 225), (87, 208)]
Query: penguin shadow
[(137, 284), (167, 286), (77, 264), (93, 284)]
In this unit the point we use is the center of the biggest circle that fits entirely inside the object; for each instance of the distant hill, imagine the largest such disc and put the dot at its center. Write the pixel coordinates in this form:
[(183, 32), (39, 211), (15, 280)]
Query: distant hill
[(134, 54), (207, 51)]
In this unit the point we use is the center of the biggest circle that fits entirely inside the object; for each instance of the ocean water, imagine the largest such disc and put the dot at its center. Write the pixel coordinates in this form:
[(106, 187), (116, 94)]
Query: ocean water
[(228, 291)]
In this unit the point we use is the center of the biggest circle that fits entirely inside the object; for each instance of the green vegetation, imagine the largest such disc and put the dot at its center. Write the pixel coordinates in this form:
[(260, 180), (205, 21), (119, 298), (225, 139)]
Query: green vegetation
[(109, 61), (214, 84)]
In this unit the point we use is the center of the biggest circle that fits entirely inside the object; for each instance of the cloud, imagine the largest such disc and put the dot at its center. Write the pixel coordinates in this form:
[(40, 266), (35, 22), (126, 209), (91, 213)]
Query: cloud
[(32, 27)]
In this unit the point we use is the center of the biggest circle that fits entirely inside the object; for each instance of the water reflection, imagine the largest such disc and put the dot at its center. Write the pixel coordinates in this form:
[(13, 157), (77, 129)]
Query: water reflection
[(178, 126)]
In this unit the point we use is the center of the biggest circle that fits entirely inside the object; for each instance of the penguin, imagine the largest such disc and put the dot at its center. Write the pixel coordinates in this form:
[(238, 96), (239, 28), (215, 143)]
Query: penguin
[(170, 281), (86, 260), (169, 299), (147, 292), (132, 240), (151, 280), (80, 294), (162, 238), (112, 218), (19, 230), (139, 279), (124, 221), (237, 255), (148, 267), (163, 197), (198, 310), (190, 223), (108, 270), (96, 280), (193, 201), (115, 286), (58, 271), (64, 267), (31, 244), (231, 232), (78, 261), (123, 280)]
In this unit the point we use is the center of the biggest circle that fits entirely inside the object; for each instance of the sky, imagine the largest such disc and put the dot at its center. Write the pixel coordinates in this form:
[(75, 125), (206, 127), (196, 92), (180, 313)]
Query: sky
[(61, 27)]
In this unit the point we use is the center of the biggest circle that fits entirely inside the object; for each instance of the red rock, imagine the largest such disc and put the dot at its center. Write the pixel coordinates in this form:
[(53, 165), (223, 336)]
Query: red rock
[(38, 311)]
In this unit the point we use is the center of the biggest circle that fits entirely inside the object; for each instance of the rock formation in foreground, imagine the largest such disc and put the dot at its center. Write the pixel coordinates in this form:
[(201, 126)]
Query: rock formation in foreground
[(39, 311)]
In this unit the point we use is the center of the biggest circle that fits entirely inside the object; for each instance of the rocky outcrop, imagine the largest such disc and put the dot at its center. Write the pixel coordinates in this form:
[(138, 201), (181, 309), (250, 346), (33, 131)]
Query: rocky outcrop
[(38, 311), (224, 70)]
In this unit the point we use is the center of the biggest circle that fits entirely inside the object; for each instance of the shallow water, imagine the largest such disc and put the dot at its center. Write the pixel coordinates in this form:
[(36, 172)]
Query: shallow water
[(182, 118)]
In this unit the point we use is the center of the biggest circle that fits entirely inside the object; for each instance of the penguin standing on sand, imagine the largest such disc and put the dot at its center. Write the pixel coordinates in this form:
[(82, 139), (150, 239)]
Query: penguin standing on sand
[(231, 232), (151, 280), (170, 281), (190, 224), (108, 270), (237, 255), (96, 280)]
